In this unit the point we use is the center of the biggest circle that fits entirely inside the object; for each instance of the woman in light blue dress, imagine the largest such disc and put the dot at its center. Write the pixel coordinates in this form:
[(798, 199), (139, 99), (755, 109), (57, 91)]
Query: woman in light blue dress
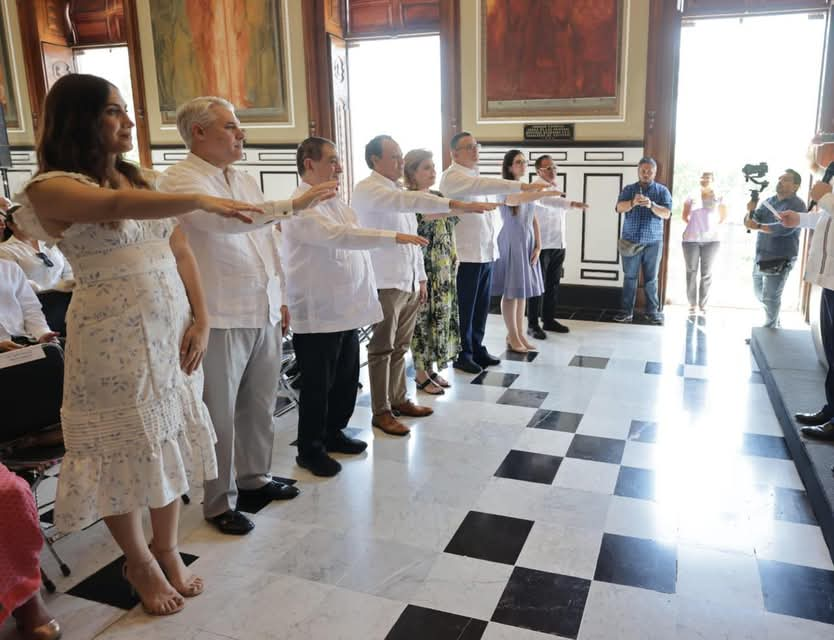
[(516, 275)]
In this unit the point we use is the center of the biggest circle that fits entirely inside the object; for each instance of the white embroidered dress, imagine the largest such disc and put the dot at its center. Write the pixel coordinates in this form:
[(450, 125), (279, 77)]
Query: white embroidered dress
[(134, 424)]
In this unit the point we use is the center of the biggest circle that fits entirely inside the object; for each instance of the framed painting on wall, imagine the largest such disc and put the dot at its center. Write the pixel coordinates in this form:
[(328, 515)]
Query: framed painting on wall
[(234, 50), (8, 96), (562, 58), (58, 61)]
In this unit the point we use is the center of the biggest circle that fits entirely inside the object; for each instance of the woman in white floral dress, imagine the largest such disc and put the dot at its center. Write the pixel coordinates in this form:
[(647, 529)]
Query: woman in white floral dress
[(132, 416)]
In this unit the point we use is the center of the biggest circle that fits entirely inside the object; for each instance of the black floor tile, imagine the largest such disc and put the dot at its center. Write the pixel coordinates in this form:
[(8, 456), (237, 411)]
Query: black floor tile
[(643, 431), (495, 378), (792, 505), (490, 537), (555, 420), (659, 368), (593, 315), (635, 483), (529, 466), (419, 623), (793, 590), (755, 444), (47, 517), (596, 449), (108, 586), (523, 398), (543, 602), (636, 562), (591, 362), (520, 357)]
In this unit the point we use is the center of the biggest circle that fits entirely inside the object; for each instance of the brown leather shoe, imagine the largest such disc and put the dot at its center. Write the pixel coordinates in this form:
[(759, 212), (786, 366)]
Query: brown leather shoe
[(408, 408), (390, 425)]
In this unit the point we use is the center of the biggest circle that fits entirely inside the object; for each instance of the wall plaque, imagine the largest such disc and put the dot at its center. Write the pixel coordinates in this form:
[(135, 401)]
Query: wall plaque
[(554, 131)]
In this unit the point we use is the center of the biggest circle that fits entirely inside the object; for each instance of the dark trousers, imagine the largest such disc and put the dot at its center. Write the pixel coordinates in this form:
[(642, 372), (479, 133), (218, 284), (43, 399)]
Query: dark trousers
[(827, 331), (543, 307), (329, 368), (474, 281)]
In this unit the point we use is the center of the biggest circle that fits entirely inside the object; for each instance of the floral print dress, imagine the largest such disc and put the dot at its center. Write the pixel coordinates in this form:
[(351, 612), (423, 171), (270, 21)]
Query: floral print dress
[(134, 423), (437, 332)]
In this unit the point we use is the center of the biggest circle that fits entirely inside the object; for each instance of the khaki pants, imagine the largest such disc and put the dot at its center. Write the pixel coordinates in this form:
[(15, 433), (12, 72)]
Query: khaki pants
[(388, 346)]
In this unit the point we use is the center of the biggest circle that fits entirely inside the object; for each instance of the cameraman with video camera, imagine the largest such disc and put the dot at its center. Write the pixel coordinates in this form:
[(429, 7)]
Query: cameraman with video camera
[(776, 246)]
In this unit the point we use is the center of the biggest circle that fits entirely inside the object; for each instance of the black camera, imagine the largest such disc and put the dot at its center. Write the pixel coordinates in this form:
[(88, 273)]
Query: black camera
[(756, 173)]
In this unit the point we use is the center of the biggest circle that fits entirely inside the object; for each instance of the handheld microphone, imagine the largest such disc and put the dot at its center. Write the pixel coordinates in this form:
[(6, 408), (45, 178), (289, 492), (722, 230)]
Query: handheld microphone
[(829, 173)]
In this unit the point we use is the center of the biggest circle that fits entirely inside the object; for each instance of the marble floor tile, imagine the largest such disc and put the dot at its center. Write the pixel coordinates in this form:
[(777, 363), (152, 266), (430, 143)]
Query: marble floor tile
[(697, 619), (417, 623), (555, 420), (495, 378), (553, 443), (627, 613), (642, 519), (464, 586), (498, 631), (529, 467), (633, 482), (559, 549), (595, 448), (720, 578), (586, 475), (798, 544), (642, 455), (490, 537), (637, 562), (523, 398), (542, 601), (801, 592)]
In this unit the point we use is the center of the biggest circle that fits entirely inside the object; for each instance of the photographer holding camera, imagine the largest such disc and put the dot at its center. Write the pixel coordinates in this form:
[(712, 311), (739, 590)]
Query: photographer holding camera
[(776, 245)]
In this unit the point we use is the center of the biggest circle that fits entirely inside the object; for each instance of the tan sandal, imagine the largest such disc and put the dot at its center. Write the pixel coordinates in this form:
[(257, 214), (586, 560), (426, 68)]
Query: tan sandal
[(150, 611), (194, 587)]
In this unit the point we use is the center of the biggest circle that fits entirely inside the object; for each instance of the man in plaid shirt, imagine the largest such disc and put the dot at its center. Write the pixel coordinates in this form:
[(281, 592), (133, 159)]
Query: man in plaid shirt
[(645, 204)]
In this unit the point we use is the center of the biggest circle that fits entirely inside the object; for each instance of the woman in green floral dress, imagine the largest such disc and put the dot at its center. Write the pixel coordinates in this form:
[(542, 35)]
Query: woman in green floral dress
[(436, 335)]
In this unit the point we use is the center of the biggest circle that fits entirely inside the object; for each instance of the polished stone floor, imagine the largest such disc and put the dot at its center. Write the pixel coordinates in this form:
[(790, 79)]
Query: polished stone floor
[(627, 482)]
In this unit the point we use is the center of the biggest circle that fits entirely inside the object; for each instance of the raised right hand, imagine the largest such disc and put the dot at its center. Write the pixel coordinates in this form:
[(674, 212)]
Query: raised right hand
[(407, 238), (534, 186), (820, 190), (789, 219), (315, 194), (228, 208)]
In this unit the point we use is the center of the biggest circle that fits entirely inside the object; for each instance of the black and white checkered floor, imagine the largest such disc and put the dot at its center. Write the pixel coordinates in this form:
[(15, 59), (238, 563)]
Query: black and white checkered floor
[(627, 482)]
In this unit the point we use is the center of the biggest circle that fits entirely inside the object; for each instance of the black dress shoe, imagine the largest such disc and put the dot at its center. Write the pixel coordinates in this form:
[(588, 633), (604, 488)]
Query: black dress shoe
[(556, 326), (272, 490), (466, 365), (536, 332), (821, 432), (319, 464), (486, 359), (340, 443), (812, 419), (232, 523)]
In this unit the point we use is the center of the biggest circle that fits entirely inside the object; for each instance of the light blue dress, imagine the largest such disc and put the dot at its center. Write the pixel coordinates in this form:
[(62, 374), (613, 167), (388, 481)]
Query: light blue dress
[(513, 276)]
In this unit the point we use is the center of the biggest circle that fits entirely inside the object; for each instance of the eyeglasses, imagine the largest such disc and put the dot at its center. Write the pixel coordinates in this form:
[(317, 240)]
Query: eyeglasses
[(469, 147), (45, 259)]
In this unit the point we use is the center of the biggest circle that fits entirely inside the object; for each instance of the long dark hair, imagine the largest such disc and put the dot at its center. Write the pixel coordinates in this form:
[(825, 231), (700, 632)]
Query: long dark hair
[(70, 137), (506, 165), (506, 169)]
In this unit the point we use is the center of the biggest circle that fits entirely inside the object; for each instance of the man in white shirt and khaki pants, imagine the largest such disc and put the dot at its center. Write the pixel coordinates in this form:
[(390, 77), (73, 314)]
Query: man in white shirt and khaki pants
[(243, 283), (380, 201)]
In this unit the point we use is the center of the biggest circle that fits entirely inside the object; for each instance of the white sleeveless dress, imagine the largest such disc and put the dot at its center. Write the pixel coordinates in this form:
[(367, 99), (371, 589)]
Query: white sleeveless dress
[(134, 424)]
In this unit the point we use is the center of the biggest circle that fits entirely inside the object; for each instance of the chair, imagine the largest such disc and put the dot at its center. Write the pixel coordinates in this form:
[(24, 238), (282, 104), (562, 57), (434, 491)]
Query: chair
[(288, 378), (30, 437)]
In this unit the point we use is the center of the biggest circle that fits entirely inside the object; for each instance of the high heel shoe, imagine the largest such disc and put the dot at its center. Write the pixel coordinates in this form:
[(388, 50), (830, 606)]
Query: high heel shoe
[(48, 631), (510, 347), (145, 607), (195, 585)]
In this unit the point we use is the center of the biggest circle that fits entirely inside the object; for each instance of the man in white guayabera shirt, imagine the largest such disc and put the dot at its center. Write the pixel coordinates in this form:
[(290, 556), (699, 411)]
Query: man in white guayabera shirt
[(380, 201), (243, 283), (819, 269), (331, 292), (476, 239)]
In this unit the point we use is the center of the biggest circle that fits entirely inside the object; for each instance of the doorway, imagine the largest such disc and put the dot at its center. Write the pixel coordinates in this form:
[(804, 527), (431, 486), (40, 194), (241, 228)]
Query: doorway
[(754, 101), (394, 89), (113, 64)]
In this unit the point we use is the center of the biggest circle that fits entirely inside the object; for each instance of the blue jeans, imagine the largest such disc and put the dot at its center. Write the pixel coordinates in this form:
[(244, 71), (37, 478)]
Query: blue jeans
[(649, 260), (768, 286)]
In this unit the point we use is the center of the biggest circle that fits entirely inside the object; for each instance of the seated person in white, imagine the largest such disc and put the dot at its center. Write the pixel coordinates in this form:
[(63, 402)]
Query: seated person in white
[(21, 318), (45, 267)]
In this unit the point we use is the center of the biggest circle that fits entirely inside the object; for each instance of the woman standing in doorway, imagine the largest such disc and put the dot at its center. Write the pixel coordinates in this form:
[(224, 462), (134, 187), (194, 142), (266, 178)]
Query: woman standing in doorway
[(133, 417), (702, 213)]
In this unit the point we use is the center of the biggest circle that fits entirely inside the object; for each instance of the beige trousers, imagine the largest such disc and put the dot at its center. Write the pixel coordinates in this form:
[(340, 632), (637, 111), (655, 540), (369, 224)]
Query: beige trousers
[(389, 344)]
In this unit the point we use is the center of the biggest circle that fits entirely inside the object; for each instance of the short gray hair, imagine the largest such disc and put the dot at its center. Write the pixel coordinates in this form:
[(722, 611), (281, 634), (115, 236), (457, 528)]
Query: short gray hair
[(198, 111)]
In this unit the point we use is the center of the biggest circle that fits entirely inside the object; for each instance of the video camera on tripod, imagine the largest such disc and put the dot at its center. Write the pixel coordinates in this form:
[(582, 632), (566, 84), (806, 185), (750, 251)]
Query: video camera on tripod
[(756, 173)]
